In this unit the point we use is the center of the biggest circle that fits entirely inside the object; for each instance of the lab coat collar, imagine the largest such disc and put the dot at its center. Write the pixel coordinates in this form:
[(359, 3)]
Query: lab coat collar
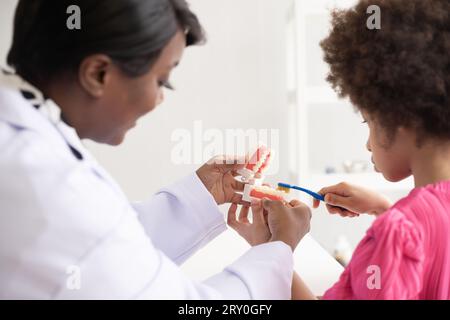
[(24, 106)]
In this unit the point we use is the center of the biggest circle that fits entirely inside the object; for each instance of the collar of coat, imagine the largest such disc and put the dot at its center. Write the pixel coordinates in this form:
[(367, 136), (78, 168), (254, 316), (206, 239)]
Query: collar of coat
[(24, 106)]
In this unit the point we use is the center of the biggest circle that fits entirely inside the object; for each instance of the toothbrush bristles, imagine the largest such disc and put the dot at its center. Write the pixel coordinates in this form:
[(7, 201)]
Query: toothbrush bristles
[(287, 190)]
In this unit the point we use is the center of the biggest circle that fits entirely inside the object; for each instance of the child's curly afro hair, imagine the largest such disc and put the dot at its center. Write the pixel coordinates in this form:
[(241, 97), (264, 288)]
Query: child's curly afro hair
[(399, 74)]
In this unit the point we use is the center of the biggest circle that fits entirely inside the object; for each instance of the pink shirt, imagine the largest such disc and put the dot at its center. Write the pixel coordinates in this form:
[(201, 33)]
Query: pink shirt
[(406, 252)]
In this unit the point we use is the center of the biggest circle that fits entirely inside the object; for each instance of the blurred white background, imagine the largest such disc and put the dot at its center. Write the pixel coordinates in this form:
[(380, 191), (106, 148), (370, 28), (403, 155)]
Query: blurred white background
[(261, 68)]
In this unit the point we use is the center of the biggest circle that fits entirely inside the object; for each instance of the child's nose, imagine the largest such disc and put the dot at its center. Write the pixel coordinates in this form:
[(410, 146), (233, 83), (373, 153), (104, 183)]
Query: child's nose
[(368, 145)]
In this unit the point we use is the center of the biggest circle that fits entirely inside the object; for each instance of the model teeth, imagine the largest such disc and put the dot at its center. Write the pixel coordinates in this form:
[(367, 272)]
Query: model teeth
[(268, 190), (261, 161)]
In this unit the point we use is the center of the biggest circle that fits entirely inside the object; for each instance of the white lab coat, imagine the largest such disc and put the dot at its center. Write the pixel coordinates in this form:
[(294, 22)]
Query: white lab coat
[(67, 231)]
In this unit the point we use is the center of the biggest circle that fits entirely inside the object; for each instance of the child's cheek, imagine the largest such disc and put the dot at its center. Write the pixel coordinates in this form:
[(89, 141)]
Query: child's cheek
[(392, 168), (381, 160)]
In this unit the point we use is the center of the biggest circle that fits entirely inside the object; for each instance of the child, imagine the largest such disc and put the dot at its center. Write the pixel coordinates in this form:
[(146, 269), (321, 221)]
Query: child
[(398, 77)]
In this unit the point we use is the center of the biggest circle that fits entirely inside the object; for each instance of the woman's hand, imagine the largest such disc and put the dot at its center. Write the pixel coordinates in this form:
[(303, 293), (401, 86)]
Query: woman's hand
[(218, 176), (272, 221), (288, 222), (349, 201), (255, 232)]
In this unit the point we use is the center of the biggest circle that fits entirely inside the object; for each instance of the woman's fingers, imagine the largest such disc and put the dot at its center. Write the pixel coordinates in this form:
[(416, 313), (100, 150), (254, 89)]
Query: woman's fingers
[(231, 219), (259, 215), (237, 199), (258, 212), (237, 185), (295, 203), (235, 174), (243, 214)]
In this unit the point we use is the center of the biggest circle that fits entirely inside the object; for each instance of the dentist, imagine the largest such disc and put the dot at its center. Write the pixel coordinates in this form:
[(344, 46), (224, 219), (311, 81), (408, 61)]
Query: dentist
[(60, 211)]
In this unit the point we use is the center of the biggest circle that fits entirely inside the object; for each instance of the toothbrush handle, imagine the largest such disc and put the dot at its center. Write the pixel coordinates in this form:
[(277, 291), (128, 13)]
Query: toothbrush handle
[(311, 193)]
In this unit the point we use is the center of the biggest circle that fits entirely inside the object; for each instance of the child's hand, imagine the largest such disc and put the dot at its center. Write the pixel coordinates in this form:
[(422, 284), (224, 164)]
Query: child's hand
[(255, 232), (350, 201)]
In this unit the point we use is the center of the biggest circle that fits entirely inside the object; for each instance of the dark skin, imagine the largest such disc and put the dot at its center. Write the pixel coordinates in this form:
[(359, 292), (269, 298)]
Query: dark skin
[(102, 104)]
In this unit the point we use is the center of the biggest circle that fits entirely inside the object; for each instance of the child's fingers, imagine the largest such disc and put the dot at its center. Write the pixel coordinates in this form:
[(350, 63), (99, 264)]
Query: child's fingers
[(349, 214), (334, 210), (326, 190), (337, 200), (340, 188), (316, 203), (341, 211)]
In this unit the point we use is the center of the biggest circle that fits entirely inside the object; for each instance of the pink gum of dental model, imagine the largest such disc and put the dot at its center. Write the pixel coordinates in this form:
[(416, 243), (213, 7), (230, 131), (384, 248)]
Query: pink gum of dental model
[(256, 166), (261, 192)]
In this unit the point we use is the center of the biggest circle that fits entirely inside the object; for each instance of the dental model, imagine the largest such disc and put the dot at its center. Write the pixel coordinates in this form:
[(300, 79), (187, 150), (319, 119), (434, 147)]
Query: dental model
[(261, 192), (253, 171), (253, 176)]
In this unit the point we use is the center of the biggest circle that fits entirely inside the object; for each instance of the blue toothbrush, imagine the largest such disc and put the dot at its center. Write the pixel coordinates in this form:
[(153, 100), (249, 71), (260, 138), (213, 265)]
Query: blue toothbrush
[(286, 187)]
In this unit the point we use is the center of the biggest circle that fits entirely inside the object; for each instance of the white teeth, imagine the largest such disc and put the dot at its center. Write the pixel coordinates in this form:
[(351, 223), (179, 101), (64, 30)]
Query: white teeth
[(260, 162), (268, 190)]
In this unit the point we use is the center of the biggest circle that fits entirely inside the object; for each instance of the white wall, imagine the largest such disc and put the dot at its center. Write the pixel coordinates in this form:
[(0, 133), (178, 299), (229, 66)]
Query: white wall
[(236, 80), (6, 21)]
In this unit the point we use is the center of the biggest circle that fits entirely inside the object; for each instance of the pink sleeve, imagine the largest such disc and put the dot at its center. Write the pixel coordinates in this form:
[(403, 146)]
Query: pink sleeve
[(387, 264)]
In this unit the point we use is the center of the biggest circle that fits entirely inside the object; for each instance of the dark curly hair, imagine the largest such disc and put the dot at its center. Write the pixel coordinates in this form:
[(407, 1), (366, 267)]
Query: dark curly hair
[(399, 74), (131, 32)]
